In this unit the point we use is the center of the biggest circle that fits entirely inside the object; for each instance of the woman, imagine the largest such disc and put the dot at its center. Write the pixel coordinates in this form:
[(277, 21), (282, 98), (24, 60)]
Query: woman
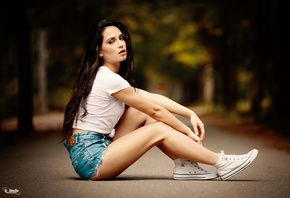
[(103, 139)]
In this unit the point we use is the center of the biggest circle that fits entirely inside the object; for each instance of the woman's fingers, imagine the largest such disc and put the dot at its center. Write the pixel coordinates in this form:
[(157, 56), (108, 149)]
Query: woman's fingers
[(195, 129), (195, 138), (198, 127), (202, 133)]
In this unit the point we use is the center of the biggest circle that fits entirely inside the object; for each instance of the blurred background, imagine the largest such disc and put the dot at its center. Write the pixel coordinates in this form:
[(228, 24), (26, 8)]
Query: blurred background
[(226, 57)]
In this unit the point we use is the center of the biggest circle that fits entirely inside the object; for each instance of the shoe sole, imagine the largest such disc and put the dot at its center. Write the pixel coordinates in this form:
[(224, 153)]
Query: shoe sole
[(206, 176), (241, 167)]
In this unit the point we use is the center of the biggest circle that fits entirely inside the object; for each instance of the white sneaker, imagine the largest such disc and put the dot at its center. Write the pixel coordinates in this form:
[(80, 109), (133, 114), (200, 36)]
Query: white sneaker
[(186, 169), (230, 165)]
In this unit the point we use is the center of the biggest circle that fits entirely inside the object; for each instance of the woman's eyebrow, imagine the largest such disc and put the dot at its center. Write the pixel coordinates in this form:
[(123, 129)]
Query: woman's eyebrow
[(110, 38), (114, 37)]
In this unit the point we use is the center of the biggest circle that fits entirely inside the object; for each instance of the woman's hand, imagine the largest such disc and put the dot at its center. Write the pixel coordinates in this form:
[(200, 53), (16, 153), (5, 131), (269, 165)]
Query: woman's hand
[(198, 126), (194, 137)]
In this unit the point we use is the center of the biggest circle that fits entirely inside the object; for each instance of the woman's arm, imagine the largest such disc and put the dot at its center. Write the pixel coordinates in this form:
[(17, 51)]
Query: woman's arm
[(154, 110), (176, 108), (168, 104)]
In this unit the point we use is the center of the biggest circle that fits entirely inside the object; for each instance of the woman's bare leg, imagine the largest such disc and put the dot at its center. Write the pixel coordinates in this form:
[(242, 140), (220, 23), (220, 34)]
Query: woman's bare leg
[(127, 149), (132, 120)]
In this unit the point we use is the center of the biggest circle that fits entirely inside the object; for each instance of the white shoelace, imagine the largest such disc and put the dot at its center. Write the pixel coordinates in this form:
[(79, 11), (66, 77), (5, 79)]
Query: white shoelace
[(197, 165)]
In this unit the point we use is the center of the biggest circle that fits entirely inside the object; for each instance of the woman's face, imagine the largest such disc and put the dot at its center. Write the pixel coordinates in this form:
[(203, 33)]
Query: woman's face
[(113, 49)]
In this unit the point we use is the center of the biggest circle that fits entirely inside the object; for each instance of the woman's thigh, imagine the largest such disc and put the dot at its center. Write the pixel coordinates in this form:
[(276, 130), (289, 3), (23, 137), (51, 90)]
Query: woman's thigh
[(131, 120), (124, 151)]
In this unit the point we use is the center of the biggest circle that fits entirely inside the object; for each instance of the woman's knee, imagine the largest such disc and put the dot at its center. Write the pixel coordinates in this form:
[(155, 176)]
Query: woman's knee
[(161, 128), (137, 114)]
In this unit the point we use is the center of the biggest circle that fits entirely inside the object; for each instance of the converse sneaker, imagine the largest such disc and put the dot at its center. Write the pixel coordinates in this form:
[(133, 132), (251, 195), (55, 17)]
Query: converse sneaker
[(186, 169), (230, 165)]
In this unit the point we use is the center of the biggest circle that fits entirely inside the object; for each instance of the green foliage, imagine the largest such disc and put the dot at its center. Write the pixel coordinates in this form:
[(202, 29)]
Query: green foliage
[(186, 49)]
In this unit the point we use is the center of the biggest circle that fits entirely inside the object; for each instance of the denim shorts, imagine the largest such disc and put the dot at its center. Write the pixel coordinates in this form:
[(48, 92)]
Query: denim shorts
[(86, 150)]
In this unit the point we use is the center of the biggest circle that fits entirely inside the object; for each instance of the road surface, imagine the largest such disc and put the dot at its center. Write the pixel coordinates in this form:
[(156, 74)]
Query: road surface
[(41, 168)]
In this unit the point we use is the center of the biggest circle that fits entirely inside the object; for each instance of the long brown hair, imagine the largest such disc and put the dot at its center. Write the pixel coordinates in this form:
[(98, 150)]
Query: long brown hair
[(88, 70)]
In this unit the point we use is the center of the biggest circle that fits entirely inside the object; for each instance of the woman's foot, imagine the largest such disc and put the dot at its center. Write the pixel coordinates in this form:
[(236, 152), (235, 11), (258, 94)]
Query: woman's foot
[(186, 169), (230, 165)]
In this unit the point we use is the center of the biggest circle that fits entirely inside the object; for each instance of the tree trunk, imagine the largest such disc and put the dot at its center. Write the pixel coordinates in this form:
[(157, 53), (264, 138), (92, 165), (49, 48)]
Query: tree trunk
[(262, 57), (227, 64), (21, 30), (208, 84), (42, 72)]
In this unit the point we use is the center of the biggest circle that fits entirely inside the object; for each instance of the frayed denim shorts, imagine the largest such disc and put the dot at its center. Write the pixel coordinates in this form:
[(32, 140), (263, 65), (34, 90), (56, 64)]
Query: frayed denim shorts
[(86, 150)]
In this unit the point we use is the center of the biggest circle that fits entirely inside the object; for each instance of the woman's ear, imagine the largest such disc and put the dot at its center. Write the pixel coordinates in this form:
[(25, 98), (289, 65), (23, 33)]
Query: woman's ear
[(101, 54)]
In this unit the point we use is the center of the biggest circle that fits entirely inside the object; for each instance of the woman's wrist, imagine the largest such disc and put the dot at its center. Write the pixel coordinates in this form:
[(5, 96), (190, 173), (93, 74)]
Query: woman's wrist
[(191, 113)]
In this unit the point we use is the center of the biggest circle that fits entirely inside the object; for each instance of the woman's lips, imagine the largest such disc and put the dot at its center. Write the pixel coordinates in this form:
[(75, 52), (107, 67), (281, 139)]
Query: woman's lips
[(122, 52)]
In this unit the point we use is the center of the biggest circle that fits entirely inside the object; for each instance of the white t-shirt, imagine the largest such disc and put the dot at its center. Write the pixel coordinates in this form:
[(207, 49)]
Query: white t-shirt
[(104, 110)]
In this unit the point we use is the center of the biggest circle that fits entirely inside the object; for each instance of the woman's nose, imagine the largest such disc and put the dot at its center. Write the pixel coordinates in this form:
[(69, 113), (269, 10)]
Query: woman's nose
[(121, 44)]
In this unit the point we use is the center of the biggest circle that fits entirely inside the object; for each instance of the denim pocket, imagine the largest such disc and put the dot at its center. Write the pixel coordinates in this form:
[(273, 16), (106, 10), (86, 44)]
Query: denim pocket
[(95, 149), (75, 150), (82, 165)]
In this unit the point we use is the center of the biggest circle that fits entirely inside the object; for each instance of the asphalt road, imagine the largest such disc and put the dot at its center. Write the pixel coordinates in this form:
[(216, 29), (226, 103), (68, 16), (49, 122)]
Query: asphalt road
[(41, 168)]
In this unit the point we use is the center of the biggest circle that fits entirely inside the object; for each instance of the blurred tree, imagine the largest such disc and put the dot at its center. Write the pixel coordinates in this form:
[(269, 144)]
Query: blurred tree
[(15, 19), (229, 52), (271, 83), (42, 62)]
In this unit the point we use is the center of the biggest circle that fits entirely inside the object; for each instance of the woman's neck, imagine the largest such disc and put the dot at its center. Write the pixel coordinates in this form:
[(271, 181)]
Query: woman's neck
[(114, 67)]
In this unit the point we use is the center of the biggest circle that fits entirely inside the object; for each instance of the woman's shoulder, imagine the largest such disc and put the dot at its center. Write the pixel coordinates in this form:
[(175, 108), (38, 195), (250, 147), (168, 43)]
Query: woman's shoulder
[(106, 74), (109, 81)]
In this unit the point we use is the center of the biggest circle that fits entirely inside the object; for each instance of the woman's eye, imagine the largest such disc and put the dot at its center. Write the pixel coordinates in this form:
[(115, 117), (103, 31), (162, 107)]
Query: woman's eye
[(122, 37), (111, 42)]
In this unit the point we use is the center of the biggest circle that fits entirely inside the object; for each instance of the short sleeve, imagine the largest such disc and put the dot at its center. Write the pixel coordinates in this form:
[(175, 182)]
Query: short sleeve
[(115, 83)]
